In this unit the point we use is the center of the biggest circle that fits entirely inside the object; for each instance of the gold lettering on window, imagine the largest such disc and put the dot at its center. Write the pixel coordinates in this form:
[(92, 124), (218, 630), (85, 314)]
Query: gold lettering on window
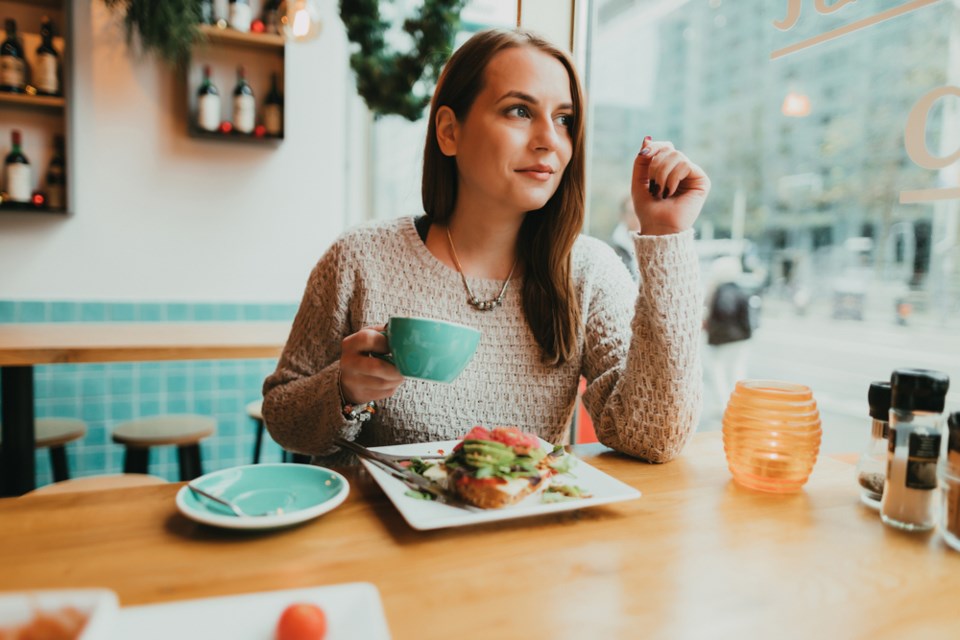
[(915, 133), (793, 14)]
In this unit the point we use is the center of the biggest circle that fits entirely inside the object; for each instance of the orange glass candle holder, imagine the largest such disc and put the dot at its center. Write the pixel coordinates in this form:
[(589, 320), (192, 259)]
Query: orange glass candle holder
[(771, 435)]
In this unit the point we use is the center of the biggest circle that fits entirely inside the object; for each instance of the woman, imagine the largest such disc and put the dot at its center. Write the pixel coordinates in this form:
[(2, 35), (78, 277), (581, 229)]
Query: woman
[(500, 249)]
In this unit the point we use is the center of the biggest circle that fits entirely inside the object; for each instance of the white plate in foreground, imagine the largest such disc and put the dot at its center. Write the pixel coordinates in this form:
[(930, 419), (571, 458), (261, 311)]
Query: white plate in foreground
[(424, 514), (353, 610), (99, 606)]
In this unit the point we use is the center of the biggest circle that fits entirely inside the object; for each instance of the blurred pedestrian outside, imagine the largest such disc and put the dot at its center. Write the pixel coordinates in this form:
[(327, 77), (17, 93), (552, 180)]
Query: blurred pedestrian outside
[(728, 325)]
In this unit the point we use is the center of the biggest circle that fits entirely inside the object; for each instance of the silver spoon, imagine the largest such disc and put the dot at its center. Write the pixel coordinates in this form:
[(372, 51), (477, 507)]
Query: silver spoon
[(237, 511)]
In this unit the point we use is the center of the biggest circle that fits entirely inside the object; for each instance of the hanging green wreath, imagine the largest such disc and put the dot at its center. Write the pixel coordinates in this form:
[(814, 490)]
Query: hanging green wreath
[(168, 28), (388, 80)]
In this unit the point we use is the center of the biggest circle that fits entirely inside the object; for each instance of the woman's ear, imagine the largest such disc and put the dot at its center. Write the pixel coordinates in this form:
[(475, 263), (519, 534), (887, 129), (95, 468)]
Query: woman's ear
[(447, 131)]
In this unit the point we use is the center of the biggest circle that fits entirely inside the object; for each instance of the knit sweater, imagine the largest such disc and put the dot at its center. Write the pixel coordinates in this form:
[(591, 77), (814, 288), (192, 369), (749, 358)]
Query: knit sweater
[(637, 348)]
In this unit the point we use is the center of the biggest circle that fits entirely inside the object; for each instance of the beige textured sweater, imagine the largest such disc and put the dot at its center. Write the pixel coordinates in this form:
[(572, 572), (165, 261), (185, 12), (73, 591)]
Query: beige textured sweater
[(638, 353)]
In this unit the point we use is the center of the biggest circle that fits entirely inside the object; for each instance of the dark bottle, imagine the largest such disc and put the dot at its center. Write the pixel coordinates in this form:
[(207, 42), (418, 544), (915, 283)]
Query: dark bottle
[(17, 181), (206, 12), (208, 103), (273, 109), (46, 76), (244, 106), (271, 16), (57, 177), (13, 66)]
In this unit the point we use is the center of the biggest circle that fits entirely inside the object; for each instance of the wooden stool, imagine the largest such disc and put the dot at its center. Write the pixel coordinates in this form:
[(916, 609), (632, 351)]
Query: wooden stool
[(99, 483), (255, 411), (54, 434), (183, 431)]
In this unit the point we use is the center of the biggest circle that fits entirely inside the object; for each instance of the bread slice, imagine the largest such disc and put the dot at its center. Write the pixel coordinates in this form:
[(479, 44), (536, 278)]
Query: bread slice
[(494, 493)]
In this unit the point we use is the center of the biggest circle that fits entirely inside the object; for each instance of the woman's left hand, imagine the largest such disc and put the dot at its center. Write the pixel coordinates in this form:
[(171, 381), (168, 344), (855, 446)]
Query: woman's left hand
[(668, 189)]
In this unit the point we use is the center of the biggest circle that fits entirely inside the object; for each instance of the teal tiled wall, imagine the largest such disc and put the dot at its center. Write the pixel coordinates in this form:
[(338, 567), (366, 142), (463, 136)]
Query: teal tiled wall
[(106, 394)]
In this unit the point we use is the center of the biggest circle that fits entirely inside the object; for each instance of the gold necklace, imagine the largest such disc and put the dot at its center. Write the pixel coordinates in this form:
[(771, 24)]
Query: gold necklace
[(482, 305)]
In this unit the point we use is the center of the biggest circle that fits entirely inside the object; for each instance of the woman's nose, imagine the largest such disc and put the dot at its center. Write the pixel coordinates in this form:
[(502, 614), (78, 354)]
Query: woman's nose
[(545, 134)]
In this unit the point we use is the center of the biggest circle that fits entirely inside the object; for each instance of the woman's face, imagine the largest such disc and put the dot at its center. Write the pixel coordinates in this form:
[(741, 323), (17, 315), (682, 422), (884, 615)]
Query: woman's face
[(515, 143)]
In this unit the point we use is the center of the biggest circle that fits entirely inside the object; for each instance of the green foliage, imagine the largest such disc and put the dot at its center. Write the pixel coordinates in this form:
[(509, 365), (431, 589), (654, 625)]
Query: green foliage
[(390, 82), (387, 80), (167, 28)]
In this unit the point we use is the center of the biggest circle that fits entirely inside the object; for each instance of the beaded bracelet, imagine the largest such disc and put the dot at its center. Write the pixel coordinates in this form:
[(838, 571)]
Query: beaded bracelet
[(355, 412)]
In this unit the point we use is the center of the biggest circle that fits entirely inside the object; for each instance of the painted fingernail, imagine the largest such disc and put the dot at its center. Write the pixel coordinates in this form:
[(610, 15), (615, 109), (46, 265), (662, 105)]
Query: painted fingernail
[(644, 149), (654, 188), (666, 194)]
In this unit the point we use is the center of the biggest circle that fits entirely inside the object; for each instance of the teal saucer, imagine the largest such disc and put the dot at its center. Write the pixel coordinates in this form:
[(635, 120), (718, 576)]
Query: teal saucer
[(287, 493)]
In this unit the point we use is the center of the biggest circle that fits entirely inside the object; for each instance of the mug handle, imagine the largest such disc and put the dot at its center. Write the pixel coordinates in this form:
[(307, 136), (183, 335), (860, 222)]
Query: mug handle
[(386, 357)]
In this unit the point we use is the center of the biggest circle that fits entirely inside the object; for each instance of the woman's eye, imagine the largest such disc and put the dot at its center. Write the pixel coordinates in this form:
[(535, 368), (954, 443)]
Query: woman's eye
[(519, 111), (565, 120)]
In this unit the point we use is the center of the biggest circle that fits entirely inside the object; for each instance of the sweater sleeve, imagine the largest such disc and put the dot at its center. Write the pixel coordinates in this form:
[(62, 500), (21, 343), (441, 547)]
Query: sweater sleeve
[(644, 386), (301, 399)]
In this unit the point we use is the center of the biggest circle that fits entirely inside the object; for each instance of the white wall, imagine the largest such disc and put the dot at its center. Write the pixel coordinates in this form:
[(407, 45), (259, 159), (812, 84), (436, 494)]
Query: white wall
[(159, 216)]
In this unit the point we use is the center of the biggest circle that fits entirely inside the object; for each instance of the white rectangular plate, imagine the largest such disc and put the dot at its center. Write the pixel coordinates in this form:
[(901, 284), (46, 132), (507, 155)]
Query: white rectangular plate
[(353, 610), (100, 606), (424, 514)]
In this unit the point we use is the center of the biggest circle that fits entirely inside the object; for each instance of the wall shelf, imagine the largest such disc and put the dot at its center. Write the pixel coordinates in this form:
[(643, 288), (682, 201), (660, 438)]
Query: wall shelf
[(55, 103), (26, 207), (233, 136), (261, 55), (269, 41), (47, 4), (39, 118)]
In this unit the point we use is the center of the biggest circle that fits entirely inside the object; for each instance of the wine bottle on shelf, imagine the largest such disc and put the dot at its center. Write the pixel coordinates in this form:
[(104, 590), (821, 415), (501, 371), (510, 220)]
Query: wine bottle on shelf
[(244, 106), (208, 103), (271, 16), (13, 66), (16, 172), (57, 177), (47, 73), (240, 15), (273, 109), (206, 12)]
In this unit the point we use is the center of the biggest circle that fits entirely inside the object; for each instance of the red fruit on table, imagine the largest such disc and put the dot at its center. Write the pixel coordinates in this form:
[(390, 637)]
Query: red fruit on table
[(302, 621)]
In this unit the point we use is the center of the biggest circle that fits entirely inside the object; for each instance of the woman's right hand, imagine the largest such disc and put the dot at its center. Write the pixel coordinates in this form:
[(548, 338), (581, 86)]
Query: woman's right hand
[(362, 377)]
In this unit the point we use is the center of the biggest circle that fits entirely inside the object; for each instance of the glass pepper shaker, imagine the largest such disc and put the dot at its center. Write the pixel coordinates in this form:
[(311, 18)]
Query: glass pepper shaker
[(949, 477), (913, 447), (872, 465)]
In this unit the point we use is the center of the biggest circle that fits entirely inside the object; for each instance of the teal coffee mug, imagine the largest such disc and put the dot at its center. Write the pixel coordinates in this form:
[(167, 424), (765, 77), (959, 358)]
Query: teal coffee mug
[(429, 349)]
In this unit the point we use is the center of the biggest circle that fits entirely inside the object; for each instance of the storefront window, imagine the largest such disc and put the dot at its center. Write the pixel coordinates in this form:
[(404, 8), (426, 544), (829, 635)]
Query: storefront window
[(835, 187)]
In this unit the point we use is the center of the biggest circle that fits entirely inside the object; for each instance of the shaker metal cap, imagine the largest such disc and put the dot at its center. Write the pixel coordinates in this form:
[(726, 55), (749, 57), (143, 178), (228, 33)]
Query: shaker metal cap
[(879, 399), (918, 389)]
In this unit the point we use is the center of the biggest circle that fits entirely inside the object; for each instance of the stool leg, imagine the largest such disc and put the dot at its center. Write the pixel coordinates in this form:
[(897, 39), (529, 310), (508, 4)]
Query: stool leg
[(58, 464), (190, 465), (258, 443), (136, 459)]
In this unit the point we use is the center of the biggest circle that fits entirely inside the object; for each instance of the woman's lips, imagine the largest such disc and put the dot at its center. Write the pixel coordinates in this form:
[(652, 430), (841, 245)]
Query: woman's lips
[(537, 172)]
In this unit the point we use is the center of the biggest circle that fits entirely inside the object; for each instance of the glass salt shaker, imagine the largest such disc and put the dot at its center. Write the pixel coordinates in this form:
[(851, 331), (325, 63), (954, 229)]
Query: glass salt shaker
[(872, 465), (949, 477), (913, 447)]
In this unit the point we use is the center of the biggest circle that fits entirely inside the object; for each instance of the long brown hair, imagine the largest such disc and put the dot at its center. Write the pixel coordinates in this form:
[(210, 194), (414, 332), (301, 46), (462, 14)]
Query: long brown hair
[(547, 235)]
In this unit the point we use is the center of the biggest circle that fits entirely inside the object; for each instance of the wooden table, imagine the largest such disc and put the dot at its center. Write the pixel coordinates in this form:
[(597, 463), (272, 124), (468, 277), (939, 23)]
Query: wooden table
[(696, 557), (24, 345)]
